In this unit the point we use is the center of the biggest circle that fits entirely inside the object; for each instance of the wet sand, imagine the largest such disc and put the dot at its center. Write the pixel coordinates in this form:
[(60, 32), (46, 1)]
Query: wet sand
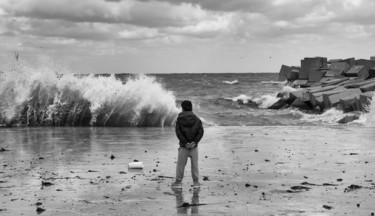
[(246, 171)]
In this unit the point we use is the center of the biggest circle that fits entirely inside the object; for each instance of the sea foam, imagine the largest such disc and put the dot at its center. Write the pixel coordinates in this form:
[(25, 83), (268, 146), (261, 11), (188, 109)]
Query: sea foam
[(231, 82), (41, 97)]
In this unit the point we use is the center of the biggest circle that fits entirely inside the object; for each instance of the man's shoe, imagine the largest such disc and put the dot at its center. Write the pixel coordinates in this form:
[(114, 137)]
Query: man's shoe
[(196, 184), (176, 184)]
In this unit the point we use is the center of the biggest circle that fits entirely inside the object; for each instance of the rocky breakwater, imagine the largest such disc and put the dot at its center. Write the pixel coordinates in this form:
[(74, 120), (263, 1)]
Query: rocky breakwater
[(321, 84)]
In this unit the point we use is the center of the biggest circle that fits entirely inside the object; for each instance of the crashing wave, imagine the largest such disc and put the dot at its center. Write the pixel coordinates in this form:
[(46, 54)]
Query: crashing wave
[(38, 97)]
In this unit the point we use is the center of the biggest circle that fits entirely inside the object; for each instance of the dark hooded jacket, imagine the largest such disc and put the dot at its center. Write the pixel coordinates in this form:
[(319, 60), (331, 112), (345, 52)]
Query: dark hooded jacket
[(188, 128)]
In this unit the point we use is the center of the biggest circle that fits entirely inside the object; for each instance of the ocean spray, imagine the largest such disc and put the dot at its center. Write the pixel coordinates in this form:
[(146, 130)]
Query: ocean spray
[(40, 97)]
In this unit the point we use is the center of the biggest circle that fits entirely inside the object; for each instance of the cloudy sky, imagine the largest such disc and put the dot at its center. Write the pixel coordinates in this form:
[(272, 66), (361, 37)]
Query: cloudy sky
[(174, 36)]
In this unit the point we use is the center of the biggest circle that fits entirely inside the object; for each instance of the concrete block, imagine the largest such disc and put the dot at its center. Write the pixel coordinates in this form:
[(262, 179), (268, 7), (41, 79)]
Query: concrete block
[(350, 61), (348, 104), (311, 84), (299, 94), (367, 63), (338, 68), (333, 99), (368, 87), (316, 95), (311, 64), (315, 76), (348, 118), (330, 61), (365, 101), (359, 71), (372, 58), (371, 73), (293, 74), (284, 72), (359, 83), (298, 83), (300, 104), (334, 81)]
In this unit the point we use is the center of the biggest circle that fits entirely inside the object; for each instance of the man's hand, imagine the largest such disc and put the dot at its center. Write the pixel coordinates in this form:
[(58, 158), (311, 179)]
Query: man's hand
[(192, 145)]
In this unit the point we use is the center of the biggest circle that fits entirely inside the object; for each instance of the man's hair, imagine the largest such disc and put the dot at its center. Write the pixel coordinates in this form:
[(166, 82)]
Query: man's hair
[(186, 105)]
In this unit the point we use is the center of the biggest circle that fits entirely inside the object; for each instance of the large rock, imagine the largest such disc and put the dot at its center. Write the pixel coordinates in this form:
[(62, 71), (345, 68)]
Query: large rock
[(368, 87), (298, 83), (350, 61), (359, 71), (348, 118), (333, 81), (315, 76), (284, 70), (372, 58), (359, 83), (332, 99), (280, 104), (330, 61), (293, 74), (311, 65), (371, 73), (300, 104), (366, 63), (338, 68), (316, 95), (349, 104)]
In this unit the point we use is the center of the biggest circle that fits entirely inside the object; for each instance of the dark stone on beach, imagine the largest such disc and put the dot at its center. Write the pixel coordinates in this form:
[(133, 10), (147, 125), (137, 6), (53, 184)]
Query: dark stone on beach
[(38, 204), (112, 157), (247, 185), (352, 188), (122, 172), (3, 149), (46, 184), (307, 183), (135, 160), (300, 188), (358, 205), (40, 210), (92, 171), (327, 207), (348, 118), (185, 204), (353, 154), (41, 158), (339, 180), (205, 178), (329, 184)]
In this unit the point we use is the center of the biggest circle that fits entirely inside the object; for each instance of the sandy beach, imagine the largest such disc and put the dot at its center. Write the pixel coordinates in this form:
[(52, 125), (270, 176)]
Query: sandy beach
[(244, 171)]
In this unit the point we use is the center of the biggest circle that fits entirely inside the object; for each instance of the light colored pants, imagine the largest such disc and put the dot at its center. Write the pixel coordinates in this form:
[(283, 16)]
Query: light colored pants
[(183, 155)]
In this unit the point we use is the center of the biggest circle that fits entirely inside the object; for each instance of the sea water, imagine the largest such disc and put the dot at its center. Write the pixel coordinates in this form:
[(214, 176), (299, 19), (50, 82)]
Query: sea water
[(42, 96)]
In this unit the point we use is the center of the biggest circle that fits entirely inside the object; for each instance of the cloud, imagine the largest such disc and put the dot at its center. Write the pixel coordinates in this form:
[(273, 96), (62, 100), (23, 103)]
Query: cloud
[(149, 14)]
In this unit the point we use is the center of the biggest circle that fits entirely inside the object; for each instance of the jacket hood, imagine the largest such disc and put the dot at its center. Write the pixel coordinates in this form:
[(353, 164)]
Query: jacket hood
[(187, 118)]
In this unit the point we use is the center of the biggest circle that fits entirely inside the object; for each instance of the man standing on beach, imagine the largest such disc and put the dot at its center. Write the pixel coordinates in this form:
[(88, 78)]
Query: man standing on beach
[(189, 131)]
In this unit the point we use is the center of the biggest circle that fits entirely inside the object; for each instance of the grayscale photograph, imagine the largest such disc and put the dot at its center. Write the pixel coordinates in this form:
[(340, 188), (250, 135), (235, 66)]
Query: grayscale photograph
[(187, 107)]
